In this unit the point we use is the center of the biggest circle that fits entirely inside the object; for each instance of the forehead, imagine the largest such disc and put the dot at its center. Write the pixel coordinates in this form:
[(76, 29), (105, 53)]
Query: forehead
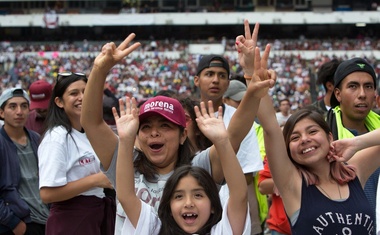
[(303, 124), (17, 100), (359, 77), (215, 69)]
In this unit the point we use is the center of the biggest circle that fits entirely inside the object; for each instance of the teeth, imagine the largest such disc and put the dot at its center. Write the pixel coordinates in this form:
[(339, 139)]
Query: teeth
[(308, 150), (189, 215)]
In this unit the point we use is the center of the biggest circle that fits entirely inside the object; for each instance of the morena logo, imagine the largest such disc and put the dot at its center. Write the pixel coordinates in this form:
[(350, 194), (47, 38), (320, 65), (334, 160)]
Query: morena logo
[(158, 105)]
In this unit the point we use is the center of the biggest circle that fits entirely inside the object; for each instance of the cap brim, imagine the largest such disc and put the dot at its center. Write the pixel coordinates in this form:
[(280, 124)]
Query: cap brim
[(238, 96), (43, 104), (150, 113)]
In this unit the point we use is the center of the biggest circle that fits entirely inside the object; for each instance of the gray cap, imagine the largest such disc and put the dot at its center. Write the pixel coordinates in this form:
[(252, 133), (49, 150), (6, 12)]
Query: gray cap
[(235, 91), (13, 92)]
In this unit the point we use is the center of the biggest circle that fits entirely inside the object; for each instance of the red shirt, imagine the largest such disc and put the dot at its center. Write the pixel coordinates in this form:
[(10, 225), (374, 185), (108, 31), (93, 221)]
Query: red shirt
[(277, 219)]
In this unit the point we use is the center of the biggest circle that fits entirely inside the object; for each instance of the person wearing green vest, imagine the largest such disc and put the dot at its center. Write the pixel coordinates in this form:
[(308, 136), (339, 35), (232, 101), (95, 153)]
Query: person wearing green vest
[(351, 108)]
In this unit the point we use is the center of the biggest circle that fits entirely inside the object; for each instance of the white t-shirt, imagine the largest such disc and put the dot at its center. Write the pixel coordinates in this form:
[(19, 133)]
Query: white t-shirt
[(249, 151), (149, 192), (149, 223), (248, 155), (64, 158)]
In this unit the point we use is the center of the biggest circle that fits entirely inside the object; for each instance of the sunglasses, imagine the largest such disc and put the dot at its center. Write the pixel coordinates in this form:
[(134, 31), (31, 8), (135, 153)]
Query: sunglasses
[(63, 75)]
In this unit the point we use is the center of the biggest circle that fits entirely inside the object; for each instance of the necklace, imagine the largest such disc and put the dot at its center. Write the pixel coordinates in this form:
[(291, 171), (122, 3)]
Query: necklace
[(340, 196)]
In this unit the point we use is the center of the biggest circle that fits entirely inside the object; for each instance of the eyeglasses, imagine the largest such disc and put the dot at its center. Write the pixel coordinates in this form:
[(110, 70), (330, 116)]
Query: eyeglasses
[(63, 75)]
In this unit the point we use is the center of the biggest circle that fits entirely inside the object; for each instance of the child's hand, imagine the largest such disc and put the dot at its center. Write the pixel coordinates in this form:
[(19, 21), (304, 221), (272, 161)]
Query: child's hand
[(210, 125), (128, 122), (111, 55), (245, 46)]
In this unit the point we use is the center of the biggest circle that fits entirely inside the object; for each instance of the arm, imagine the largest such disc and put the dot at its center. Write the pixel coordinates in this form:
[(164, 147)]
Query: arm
[(361, 151), (213, 128), (127, 126), (101, 136), (238, 129), (74, 188)]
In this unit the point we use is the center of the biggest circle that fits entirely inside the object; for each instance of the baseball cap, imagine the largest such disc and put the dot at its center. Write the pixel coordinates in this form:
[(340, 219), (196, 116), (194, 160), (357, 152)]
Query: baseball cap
[(167, 107), (346, 68), (13, 92), (235, 91), (205, 62), (40, 92)]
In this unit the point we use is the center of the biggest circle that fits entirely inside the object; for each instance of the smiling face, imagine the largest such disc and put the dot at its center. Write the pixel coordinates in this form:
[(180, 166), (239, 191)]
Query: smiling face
[(309, 143), (190, 205), (71, 102), (356, 95), (159, 139)]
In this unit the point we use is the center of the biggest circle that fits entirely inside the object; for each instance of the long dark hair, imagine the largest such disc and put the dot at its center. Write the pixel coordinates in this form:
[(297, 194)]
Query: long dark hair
[(169, 226), (56, 116), (338, 171)]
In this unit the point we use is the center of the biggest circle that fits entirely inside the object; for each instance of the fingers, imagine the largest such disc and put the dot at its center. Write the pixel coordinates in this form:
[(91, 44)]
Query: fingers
[(126, 41), (247, 30), (257, 62), (255, 33), (264, 59)]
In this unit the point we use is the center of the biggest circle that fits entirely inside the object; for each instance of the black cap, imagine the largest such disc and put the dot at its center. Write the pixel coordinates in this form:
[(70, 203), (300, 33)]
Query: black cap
[(205, 62), (346, 68)]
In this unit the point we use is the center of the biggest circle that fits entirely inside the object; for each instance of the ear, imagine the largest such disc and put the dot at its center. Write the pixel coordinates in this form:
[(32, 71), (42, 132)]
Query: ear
[(183, 136), (330, 86), (196, 80), (331, 137), (58, 102), (337, 94), (212, 210), (2, 113)]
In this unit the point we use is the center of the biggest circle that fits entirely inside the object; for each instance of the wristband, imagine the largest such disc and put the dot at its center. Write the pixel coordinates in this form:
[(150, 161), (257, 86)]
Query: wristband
[(247, 77)]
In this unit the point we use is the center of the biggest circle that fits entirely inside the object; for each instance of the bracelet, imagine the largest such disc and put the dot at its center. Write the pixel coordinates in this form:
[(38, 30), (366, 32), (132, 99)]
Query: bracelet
[(247, 77)]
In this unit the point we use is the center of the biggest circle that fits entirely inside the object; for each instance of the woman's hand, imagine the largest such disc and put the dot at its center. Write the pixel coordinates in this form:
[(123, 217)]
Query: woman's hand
[(245, 46), (111, 55)]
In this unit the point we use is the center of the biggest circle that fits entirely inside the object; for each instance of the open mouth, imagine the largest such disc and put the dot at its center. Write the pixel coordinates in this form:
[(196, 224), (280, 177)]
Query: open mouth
[(308, 150), (156, 146), (189, 217)]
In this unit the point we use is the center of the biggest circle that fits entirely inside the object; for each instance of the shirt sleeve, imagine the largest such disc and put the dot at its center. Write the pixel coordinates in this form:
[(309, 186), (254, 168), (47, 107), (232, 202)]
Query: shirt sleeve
[(148, 223)]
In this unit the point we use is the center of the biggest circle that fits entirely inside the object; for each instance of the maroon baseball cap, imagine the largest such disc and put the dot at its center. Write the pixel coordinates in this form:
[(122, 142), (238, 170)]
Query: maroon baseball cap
[(167, 107), (40, 93)]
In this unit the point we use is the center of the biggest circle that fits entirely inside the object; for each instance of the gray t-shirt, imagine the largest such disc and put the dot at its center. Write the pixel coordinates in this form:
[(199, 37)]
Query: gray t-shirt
[(29, 188)]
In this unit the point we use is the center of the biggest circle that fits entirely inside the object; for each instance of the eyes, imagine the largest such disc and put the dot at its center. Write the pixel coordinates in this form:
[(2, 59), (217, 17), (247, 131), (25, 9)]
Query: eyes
[(196, 195), (14, 106), (220, 75), (297, 136), (164, 125), (356, 86)]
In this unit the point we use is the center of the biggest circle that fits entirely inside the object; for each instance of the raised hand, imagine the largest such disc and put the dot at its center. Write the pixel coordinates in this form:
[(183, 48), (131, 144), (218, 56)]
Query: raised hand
[(342, 150), (111, 55), (245, 46), (210, 125), (262, 78), (128, 122)]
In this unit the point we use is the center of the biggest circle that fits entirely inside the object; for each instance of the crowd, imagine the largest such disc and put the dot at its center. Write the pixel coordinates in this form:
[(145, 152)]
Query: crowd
[(142, 76), (71, 169)]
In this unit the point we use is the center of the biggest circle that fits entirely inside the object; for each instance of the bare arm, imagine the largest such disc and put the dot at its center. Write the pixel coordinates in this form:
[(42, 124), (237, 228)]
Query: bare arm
[(214, 129), (361, 151), (74, 188), (127, 126), (247, 110), (101, 136)]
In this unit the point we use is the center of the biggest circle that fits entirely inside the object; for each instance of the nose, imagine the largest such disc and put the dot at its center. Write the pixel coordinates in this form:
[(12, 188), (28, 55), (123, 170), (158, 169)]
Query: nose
[(154, 132), (189, 202), (362, 92), (304, 138)]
